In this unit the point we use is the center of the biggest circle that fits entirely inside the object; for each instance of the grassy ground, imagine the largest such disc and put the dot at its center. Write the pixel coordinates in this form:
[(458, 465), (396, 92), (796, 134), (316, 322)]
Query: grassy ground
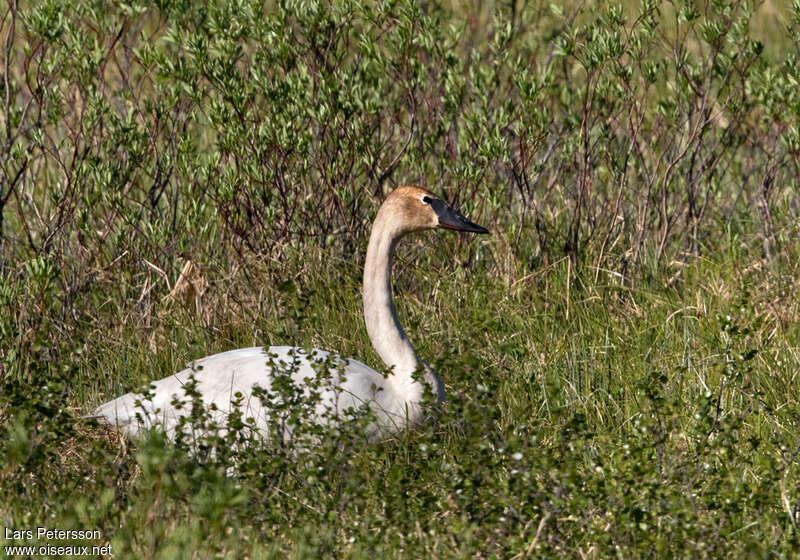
[(584, 418), (620, 355)]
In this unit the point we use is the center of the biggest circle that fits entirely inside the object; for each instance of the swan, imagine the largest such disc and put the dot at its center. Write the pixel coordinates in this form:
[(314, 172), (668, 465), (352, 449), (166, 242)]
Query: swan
[(245, 377)]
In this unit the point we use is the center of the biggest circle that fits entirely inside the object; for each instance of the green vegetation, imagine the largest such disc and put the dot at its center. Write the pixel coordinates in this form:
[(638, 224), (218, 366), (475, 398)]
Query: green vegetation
[(621, 354)]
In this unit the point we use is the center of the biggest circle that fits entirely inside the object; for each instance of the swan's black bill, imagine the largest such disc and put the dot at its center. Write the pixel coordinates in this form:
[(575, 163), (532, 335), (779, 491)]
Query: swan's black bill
[(452, 219)]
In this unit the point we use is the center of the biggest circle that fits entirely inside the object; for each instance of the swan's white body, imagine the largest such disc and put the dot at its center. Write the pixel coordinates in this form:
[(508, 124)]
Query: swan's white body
[(221, 376), (394, 399)]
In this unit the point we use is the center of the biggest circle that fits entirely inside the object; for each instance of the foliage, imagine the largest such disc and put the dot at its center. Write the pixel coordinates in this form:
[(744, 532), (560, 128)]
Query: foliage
[(180, 178)]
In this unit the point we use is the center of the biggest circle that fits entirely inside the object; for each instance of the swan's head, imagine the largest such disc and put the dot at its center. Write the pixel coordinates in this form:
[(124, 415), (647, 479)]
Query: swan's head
[(416, 209)]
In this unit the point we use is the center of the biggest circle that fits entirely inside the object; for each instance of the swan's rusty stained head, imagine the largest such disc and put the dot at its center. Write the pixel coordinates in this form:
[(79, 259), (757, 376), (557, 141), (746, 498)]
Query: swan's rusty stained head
[(416, 209)]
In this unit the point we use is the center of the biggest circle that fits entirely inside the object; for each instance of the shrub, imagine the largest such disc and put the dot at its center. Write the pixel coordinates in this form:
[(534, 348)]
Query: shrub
[(178, 178)]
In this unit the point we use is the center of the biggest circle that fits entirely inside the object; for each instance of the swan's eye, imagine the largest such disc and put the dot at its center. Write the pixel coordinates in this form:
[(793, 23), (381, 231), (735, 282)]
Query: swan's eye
[(426, 199)]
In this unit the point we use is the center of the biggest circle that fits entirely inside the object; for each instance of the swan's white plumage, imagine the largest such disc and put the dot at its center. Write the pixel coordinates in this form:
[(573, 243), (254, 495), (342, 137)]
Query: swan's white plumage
[(220, 376), (394, 399)]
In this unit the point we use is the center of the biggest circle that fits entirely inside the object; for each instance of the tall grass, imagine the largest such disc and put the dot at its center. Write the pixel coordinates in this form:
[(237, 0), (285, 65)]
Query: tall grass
[(620, 355)]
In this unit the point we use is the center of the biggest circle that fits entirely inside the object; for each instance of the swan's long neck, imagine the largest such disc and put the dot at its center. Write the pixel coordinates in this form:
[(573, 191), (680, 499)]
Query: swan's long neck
[(385, 332)]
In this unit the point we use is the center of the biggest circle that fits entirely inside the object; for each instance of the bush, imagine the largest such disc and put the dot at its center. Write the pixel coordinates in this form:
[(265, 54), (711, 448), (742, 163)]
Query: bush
[(180, 178)]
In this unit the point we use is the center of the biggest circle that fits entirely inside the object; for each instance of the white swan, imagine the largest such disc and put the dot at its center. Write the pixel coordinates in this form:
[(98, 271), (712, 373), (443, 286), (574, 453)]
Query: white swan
[(394, 399)]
